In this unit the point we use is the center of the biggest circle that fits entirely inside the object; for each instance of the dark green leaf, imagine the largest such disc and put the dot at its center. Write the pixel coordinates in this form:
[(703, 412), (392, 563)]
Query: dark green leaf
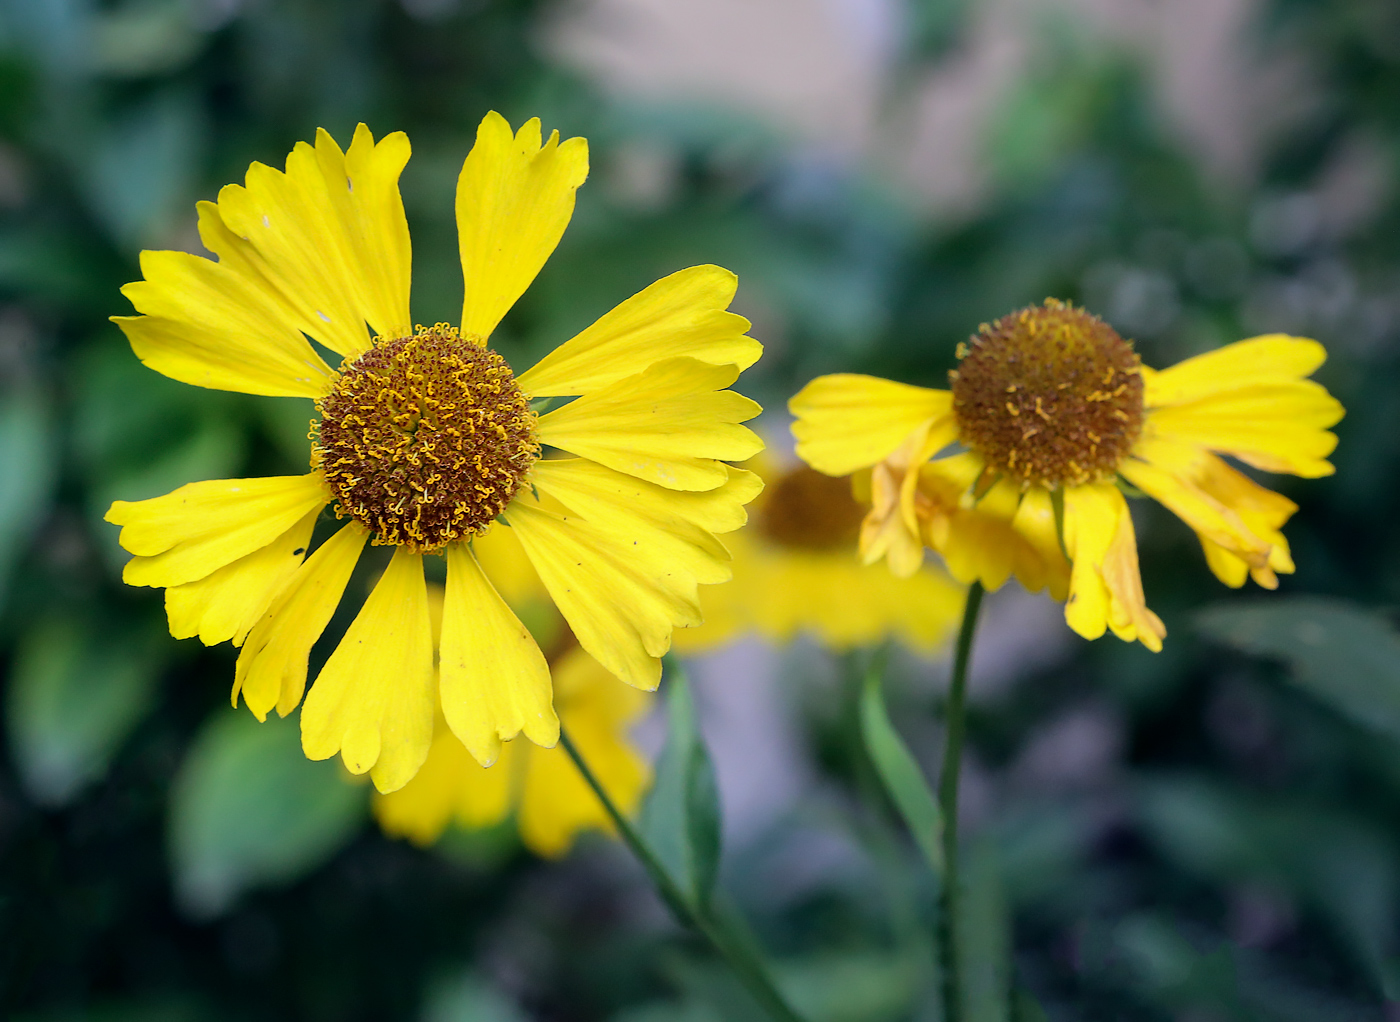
[(248, 808), (1346, 656), (74, 698), (903, 779), (681, 819)]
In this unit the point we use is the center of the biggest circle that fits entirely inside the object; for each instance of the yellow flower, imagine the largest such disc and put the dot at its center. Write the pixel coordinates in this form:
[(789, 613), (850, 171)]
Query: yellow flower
[(427, 439), (797, 569), (550, 799), (1052, 409)]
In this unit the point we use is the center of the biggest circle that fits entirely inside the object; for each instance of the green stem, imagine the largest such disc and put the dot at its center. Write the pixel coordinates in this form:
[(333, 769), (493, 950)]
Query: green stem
[(948, 806), (728, 945)]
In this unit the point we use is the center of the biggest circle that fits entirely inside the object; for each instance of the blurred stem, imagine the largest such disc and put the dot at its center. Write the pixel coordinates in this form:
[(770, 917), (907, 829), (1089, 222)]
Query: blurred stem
[(956, 723), (729, 945)]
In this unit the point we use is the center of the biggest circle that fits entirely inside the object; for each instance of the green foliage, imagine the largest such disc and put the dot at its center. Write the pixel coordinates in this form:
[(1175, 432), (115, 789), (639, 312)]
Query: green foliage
[(247, 808)]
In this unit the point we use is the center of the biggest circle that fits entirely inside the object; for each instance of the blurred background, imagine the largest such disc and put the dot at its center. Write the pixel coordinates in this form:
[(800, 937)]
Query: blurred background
[(1211, 833)]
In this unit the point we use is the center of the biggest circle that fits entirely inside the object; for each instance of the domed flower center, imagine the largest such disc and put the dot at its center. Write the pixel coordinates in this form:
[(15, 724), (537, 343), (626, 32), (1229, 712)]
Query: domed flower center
[(810, 511), (425, 439), (1050, 396)]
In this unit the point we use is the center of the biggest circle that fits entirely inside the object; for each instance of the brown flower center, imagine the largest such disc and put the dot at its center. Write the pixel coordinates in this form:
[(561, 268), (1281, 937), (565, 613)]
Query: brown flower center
[(810, 511), (425, 439), (1050, 396)]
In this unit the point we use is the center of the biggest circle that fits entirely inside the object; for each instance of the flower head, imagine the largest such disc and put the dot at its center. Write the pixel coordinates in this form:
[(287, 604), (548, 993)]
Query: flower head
[(797, 569), (1017, 468), (428, 441)]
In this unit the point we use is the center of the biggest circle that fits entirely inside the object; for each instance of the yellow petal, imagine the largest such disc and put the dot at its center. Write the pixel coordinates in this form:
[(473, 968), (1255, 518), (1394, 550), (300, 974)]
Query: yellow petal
[(494, 679), (272, 666), (226, 604), (194, 531), (662, 523), (1041, 564), (555, 802), (621, 606), (1105, 585), (450, 786), (328, 236), (671, 424), (514, 199), (1273, 358), (683, 314), (893, 528), (213, 325), (848, 422), (501, 556), (373, 702), (1277, 427)]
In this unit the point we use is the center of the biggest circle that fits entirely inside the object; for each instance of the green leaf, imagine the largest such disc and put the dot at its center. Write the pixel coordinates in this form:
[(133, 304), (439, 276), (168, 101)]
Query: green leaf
[(26, 466), (903, 779), (247, 808), (681, 819), (1025, 1008), (1344, 655), (74, 697), (983, 932)]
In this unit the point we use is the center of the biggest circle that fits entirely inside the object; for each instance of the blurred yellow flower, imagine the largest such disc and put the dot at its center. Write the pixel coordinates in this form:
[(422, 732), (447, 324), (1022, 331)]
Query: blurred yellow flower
[(1052, 409), (797, 569), (427, 439)]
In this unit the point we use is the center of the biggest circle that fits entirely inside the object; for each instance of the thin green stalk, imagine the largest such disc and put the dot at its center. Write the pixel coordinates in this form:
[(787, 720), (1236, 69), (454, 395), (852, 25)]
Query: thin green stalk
[(948, 805), (729, 946)]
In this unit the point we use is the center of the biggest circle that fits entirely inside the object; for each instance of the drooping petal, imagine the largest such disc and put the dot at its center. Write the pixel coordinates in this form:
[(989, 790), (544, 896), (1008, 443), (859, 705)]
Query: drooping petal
[(374, 700), (514, 199), (680, 315), (1041, 564), (621, 605), (847, 422), (226, 604), (555, 801), (494, 679), (893, 527), (195, 530), (1105, 585), (672, 424), (450, 786), (500, 555), (675, 527), (328, 236), (1273, 358), (273, 664)]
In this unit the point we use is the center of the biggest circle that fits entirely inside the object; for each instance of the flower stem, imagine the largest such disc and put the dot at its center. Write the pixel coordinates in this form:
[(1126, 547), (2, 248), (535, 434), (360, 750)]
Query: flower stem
[(948, 806), (727, 944)]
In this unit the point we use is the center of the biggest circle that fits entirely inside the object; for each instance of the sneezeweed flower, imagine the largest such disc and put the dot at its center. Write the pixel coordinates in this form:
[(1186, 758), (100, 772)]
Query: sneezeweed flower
[(427, 439), (1054, 413), (797, 569)]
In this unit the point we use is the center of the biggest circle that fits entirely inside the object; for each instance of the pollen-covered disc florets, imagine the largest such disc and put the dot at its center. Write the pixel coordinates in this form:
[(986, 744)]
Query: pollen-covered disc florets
[(1049, 395), (807, 510), (425, 439)]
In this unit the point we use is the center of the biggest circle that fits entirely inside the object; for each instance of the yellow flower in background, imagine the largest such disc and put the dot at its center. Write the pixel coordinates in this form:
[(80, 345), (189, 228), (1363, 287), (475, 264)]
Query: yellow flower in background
[(1052, 409), (797, 569), (427, 439)]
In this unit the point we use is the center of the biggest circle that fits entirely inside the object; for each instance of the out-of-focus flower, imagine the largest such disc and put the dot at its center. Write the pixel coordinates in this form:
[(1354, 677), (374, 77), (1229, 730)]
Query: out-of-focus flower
[(426, 439), (1052, 409), (797, 569)]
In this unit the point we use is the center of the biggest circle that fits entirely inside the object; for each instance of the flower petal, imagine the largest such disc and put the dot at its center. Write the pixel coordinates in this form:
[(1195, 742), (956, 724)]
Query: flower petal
[(226, 604), (1040, 563), (449, 786), (1105, 585), (621, 605), (195, 530), (682, 314), (671, 424), (272, 666), (648, 517), (500, 555), (847, 422), (328, 237), (514, 199), (494, 679), (1273, 358), (374, 701)]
